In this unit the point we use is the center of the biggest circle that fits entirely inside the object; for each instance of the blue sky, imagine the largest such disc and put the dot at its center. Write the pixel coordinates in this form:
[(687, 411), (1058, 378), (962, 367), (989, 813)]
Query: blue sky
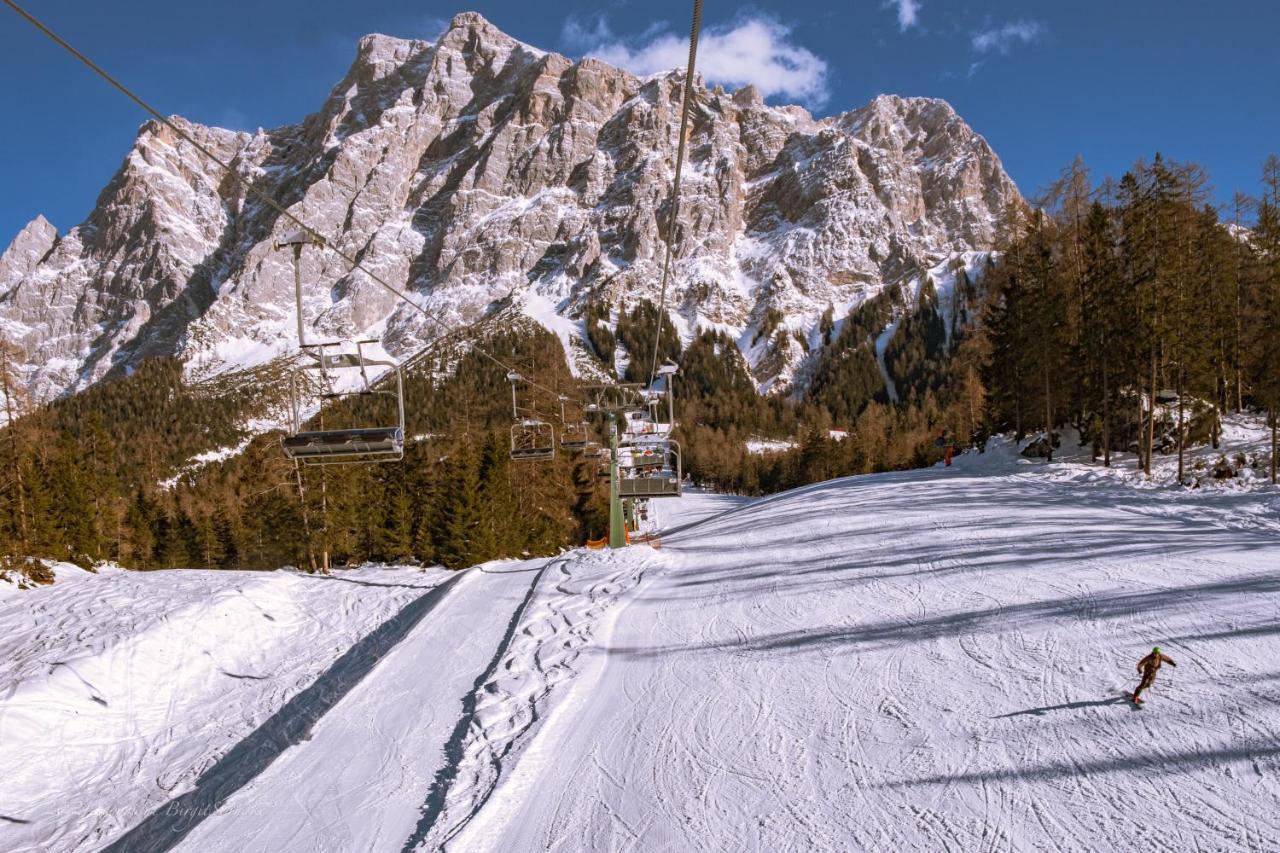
[(1042, 81)]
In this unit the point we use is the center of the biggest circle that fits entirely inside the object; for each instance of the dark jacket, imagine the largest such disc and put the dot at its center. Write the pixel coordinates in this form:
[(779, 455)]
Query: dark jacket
[(1149, 665)]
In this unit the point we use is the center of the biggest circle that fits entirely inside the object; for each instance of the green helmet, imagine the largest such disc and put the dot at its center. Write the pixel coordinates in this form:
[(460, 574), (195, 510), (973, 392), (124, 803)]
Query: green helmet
[(1156, 650)]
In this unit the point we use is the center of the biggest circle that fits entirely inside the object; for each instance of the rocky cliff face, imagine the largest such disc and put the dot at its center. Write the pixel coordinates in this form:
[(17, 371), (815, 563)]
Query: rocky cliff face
[(477, 170)]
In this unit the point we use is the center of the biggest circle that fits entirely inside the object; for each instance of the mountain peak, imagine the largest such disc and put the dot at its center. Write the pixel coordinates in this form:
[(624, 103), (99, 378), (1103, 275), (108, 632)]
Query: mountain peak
[(472, 29), (897, 109), (475, 168), (471, 20), (32, 244)]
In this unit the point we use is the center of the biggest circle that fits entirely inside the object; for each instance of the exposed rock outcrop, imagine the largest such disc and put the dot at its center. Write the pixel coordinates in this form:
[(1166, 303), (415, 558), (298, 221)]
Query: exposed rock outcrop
[(477, 168)]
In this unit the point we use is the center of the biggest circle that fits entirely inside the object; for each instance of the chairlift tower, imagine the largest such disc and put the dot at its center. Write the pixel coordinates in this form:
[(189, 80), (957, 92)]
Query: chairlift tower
[(612, 400), (653, 459), (617, 523)]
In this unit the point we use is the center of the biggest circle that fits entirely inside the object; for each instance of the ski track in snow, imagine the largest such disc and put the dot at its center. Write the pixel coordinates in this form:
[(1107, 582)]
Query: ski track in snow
[(926, 660)]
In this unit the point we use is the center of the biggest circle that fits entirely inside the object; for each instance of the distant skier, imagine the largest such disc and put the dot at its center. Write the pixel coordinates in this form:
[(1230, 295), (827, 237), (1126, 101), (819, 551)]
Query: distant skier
[(946, 443), (1147, 668)]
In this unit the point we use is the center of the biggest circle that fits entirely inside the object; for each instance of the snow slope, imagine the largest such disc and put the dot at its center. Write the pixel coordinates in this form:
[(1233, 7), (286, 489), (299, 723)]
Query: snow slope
[(923, 660), (929, 660), (119, 690)]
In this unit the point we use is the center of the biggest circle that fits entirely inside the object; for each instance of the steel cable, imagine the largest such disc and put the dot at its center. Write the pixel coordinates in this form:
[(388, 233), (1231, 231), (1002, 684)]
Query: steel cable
[(673, 218)]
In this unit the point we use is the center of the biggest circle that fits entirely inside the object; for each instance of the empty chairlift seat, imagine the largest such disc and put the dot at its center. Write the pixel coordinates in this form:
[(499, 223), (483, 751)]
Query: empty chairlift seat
[(381, 403), (573, 436), (532, 439), (325, 375), (346, 444)]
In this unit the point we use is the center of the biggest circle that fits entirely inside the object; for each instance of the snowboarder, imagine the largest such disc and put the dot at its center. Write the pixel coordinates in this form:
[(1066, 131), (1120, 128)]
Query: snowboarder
[(1147, 668)]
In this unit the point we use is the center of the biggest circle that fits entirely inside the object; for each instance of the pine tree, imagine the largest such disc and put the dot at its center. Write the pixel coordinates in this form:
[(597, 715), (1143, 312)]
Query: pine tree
[(827, 324), (99, 476), (496, 535), (140, 521), (1139, 252), (226, 547), (1045, 298), (395, 541), (458, 515), (18, 532), (1105, 305), (1241, 263), (1266, 341)]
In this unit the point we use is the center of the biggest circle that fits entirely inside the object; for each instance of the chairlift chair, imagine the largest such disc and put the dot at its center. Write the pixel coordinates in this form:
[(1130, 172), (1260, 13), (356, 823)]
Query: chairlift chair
[(363, 443), (659, 479), (652, 455), (573, 433), (573, 437), (639, 426), (531, 438), (360, 444)]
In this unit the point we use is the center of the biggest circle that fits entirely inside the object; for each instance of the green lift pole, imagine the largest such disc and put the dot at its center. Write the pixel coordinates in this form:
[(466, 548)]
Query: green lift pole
[(617, 531)]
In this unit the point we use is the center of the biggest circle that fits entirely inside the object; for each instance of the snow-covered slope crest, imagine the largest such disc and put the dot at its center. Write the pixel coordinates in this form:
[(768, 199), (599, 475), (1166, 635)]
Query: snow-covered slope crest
[(475, 166)]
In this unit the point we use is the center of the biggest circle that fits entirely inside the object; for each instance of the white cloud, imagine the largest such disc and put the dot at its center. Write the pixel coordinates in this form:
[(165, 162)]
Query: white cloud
[(756, 51), (1001, 39), (580, 33), (429, 27), (908, 13)]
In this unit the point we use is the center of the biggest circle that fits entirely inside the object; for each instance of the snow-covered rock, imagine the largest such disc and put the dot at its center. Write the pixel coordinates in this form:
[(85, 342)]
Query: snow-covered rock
[(475, 167)]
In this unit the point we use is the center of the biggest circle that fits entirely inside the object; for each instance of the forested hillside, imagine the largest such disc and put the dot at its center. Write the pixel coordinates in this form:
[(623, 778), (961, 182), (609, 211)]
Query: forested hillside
[(86, 475)]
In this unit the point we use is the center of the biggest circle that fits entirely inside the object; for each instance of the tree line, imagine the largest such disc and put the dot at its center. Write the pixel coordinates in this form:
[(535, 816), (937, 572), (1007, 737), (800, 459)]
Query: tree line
[(1135, 311), (91, 477)]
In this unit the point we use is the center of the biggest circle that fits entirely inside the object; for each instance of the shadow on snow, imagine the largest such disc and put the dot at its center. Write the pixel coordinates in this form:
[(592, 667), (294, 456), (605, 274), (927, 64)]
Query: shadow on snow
[(164, 828)]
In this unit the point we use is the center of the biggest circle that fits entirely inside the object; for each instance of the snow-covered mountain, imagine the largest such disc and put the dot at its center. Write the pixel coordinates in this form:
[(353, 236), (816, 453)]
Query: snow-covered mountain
[(477, 168)]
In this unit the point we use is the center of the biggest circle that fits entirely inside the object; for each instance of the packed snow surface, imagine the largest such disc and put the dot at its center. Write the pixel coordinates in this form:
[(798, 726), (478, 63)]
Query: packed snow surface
[(765, 446), (923, 660)]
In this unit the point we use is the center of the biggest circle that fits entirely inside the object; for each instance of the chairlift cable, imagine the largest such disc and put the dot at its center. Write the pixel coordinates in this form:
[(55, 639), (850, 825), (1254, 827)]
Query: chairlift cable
[(260, 195), (673, 219)]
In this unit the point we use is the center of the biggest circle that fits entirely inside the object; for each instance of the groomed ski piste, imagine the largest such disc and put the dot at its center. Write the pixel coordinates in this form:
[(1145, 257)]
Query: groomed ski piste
[(926, 660)]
